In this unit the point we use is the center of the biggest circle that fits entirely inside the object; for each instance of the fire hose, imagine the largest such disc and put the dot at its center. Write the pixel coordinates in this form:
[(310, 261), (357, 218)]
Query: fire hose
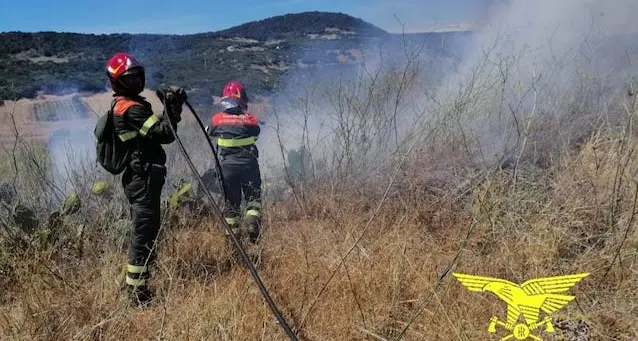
[(218, 213)]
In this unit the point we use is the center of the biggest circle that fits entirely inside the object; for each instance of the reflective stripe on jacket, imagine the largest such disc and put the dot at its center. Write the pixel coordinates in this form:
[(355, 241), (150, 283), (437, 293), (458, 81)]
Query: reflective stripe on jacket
[(142, 130), (235, 133)]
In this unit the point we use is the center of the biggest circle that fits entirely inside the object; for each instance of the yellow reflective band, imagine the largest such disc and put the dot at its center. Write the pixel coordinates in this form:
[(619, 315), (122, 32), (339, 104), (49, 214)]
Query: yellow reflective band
[(128, 135), (236, 142), (136, 269), (234, 230), (135, 282), (148, 124), (254, 213)]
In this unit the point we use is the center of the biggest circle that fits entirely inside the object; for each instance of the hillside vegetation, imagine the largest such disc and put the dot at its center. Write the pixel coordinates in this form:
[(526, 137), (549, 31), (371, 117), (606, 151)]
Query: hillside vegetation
[(516, 162), (259, 53)]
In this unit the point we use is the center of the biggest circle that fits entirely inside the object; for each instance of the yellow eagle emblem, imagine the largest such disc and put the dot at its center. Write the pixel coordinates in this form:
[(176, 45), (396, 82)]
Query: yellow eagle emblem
[(527, 299)]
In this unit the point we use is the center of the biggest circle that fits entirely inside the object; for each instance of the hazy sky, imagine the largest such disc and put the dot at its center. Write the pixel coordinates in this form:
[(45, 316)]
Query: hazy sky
[(192, 16)]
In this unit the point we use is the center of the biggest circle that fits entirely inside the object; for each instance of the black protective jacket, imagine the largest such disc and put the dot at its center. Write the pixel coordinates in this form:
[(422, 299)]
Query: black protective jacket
[(235, 132), (141, 130)]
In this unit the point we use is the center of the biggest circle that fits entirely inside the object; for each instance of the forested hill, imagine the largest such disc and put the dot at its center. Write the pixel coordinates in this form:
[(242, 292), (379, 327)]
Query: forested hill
[(257, 52), (299, 25)]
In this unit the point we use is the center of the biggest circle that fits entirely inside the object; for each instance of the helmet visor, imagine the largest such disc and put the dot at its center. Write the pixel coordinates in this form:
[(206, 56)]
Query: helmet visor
[(132, 81)]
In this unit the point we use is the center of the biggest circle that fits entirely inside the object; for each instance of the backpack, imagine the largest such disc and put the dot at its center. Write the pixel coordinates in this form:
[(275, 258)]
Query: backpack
[(110, 151)]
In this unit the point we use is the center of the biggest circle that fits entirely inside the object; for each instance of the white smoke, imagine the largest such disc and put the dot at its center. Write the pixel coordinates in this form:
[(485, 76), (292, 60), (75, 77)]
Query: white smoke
[(545, 32), (539, 60), (71, 148), (528, 62), (350, 116)]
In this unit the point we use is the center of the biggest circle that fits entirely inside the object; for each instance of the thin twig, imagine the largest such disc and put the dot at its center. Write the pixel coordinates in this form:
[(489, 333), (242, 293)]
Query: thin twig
[(438, 282), (356, 298), (630, 225), (372, 334), (363, 232), (447, 316)]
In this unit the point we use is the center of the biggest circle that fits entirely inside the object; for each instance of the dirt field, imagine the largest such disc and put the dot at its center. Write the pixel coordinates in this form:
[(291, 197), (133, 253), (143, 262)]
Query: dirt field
[(32, 119), (22, 117)]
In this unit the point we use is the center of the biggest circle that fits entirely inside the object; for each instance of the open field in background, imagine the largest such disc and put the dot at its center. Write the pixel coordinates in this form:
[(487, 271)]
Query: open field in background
[(38, 119)]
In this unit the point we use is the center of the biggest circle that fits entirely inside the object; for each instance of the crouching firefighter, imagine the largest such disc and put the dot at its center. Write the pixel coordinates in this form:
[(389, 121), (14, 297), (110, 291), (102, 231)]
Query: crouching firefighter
[(235, 132), (142, 134)]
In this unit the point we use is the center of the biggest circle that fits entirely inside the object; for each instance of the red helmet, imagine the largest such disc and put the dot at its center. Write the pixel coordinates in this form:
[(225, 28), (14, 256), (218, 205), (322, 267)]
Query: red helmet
[(126, 74), (236, 90)]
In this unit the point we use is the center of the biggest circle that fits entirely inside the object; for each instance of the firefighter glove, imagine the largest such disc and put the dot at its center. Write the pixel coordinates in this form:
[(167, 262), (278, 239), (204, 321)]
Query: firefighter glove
[(174, 100), (176, 94)]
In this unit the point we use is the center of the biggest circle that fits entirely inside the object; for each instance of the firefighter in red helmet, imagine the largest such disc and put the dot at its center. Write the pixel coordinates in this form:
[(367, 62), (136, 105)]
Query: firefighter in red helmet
[(235, 132), (144, 133)]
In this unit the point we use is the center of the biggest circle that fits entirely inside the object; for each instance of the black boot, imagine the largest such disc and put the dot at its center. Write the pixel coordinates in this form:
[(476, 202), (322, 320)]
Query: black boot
[(251, 227), (237, 232), (140, 297)]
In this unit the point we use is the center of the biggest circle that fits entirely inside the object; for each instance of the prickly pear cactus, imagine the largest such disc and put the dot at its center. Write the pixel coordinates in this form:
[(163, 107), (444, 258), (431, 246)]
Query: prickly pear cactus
[(101, 188), (183, 193), (71, 204), (25, 218)]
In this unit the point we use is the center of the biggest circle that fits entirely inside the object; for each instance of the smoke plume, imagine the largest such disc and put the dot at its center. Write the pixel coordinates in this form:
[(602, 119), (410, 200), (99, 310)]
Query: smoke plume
[(558, 64), (71, 144)]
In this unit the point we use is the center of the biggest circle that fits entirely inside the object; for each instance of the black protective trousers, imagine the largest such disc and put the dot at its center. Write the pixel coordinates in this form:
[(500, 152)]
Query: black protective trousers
[(143, 189), (241, 176)]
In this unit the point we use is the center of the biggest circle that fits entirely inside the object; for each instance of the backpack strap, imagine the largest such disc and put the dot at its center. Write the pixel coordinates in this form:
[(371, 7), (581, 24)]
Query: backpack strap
[(110, 112), (119, 106), (122, 104)]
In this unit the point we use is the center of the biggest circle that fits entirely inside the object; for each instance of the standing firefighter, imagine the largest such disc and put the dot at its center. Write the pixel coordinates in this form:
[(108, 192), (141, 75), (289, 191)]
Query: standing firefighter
[(235, 133), (142, 134)]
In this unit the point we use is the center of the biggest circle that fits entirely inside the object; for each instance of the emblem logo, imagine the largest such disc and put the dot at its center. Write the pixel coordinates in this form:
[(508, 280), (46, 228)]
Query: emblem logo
[(527, 300)]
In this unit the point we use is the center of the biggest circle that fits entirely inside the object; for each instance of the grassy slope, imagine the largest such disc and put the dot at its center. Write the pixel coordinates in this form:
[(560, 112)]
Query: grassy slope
[(55, 292)]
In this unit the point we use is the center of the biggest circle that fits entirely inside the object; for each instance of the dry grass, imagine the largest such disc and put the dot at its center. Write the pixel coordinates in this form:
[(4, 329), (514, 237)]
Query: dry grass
[(544, 226)]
